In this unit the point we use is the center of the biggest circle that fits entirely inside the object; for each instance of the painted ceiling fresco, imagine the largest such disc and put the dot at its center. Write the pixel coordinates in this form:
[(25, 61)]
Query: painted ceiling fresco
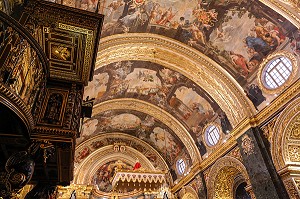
[(104, 175), (83, 151), (162, 87), (136, 124), (237, 34)]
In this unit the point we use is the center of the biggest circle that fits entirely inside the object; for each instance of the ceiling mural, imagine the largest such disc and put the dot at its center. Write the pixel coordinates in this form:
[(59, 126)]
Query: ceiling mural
[(104, 175), (85, 149), (237, 34), (162, 87), (136, 124)]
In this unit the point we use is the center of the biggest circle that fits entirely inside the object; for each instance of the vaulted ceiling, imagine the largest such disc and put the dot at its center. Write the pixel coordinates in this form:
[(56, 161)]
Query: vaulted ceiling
[(168, 68)]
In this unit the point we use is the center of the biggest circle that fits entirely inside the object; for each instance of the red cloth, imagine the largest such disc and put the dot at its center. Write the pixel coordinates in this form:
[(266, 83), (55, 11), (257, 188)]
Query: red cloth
[(137, 166)]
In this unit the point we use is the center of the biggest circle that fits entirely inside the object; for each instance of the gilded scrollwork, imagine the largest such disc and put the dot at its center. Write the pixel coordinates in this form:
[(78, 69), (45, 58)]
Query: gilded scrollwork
[(291, 188), (286, 146), (294, 153), (220, 180)]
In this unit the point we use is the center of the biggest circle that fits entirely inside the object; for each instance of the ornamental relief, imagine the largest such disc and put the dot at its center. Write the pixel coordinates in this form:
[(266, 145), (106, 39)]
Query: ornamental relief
[(220, 181), (292, 145), (286, 134), (268, 129), (294, 153), (247, 145), (88, 147)]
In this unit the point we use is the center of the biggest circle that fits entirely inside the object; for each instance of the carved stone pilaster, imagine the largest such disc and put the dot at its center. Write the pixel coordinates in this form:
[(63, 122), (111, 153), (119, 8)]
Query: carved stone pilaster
[(262, 173), (291, 182)]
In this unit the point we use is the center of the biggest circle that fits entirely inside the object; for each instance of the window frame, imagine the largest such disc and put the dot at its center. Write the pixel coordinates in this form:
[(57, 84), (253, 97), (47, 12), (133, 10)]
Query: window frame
[(264, 72), (207, 130), (180, 164)]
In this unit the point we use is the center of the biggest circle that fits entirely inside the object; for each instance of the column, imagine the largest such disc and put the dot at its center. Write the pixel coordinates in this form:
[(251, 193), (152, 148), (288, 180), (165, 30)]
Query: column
[(264, 179)]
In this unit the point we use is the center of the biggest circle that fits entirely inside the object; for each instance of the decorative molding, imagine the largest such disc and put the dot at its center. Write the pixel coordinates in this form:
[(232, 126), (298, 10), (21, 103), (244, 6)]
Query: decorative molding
[(130, 141), (221, 177), (291, 13), (184, 59), (157, 113)]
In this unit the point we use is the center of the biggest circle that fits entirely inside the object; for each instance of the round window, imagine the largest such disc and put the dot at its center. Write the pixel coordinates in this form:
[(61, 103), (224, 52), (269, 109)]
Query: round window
[(277, 72), (180, 166), (212, 135)]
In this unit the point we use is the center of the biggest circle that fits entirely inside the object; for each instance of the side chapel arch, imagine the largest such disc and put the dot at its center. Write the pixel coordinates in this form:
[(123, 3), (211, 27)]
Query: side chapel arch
[(285, 147), (221, 178)]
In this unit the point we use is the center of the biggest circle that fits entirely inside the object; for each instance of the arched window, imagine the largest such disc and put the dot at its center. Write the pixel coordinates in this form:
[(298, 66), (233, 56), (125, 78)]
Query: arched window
[(212, 135), (277, 72), (180, 166)]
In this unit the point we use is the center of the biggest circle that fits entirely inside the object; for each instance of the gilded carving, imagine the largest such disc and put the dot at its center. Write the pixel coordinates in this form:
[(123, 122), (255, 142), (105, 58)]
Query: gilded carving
[(61, 52), (221, 177), (87, 149), (286, 146), (284, 10), (88, 46), (52, 112), (205, 73), (268, 129), (223, 187), (291, 188), (294, 153), (82, 191), (247, 145)]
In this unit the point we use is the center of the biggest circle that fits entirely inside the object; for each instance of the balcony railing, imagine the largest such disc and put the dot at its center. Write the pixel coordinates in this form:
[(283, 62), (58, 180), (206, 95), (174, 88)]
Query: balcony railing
[(23, 64)]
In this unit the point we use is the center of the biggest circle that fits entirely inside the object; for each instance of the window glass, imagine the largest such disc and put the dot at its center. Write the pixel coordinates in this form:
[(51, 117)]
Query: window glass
[(212, 135), (181, 166), (277, 71)]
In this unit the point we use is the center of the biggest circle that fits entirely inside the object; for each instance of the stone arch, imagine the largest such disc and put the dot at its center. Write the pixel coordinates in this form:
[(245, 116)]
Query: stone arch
[(221, 178), (172, 54), (157, 113), (285, 147)]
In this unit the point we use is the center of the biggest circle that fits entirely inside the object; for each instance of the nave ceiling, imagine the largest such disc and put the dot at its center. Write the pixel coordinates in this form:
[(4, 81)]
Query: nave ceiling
[(167, 69)]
